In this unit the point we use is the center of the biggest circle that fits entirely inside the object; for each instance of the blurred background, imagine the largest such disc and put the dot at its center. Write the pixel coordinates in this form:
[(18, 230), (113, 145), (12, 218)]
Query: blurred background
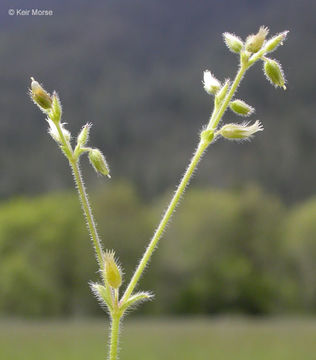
[(235, 272)]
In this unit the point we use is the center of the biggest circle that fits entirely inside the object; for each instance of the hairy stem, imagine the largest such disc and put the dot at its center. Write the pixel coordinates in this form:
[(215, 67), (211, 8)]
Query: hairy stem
[(83, 195), (115, 329), (215, 119), (165, 219), (87, 211)]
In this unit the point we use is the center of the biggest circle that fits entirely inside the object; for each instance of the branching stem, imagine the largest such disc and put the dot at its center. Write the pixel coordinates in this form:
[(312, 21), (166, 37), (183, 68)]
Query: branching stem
[(83, 195)]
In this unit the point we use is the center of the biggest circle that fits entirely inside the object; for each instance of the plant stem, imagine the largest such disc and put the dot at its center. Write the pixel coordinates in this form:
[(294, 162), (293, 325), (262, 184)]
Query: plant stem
[(83, 195), (115, 328), (215, 119), (165, 219), (87, 211)]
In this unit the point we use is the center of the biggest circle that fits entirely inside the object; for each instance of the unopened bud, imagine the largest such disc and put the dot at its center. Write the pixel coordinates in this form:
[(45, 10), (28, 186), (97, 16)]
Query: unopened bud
[(254, 42), (211, 84), (40, 96), (233, 42), (241, 108), (55, 112), (274, 42), (111, 273), (84, 135), (274, 73), (98, 162), (240, 132), (220, 96)]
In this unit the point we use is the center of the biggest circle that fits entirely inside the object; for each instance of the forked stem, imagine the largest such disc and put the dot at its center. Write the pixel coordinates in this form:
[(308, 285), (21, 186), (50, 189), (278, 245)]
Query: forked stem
[(82, 195)]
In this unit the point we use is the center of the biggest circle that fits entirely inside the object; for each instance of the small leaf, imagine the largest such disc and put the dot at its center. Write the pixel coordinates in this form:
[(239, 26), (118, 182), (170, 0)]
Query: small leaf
[(102, 294), (136, 299)]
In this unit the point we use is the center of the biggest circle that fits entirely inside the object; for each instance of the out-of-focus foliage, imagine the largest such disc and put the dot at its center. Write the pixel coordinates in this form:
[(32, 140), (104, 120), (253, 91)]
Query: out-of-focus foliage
[(225, 251), (300, 243)]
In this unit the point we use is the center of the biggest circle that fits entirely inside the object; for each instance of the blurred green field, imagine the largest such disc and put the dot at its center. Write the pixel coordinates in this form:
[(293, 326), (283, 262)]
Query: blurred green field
[(184, 339)]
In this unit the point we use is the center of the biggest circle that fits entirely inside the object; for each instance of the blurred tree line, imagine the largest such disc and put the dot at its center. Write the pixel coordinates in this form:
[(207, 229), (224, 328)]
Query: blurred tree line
[(226, 251), (134, 70)]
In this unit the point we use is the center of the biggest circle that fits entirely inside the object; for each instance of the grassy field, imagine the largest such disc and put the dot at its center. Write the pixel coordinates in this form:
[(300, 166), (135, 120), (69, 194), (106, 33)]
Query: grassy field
[(198, 339)]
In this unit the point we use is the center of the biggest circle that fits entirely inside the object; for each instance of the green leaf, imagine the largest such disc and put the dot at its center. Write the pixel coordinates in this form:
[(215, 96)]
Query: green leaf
[(136, 299), (102, 294)]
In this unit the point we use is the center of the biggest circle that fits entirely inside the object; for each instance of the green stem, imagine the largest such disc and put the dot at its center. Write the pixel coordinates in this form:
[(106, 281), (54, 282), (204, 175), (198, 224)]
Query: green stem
[(115, 328), (215, 119), (82, 194), (87, 211), (165, 219)]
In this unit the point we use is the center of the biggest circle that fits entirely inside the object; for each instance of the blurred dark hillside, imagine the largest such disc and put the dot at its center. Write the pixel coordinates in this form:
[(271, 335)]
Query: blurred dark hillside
[(134, 69)]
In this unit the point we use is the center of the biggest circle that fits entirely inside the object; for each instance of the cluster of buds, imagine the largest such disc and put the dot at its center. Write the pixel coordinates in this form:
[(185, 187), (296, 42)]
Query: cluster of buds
[(254, 48), (51, 106), (256, 44)]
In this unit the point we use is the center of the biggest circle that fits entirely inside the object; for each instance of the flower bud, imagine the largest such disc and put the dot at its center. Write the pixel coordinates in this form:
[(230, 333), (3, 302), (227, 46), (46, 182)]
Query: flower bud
[(111, 272), (40, 96), (98, 162), (220, 96), (274, 42), (254, 42), (240, 132), (211, 84), (233, 42), (55, 112), (84, 135), (274, 73), (241, 108)]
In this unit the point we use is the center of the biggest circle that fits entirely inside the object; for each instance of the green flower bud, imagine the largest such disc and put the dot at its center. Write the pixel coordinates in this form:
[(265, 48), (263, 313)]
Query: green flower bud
[(240, 132), (207, 136), (98, 162), (40, 96), (274, 42), (274, 73), (112, 274), (254, 42), (222, 93), (241, 108), (83, 137), (55, 112), (211, 84), (233, 42)]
